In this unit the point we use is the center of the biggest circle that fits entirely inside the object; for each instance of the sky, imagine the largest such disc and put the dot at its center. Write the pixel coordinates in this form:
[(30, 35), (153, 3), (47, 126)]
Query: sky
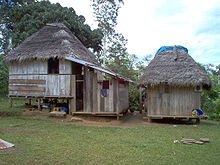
[(150, 24)]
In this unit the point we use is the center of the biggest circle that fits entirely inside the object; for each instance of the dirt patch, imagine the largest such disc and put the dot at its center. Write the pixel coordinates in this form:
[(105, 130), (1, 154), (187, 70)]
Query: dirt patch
[(4, 130), (4, 114), (130, 120), (8, 150)]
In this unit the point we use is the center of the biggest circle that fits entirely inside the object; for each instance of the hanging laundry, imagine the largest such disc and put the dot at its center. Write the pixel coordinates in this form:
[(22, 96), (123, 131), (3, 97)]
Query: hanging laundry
[(104, 92)]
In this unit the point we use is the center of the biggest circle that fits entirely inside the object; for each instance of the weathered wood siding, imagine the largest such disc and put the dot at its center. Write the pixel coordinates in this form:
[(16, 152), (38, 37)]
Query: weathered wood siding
[(174, 101), (30, 67), (94, 102), (117, 94), (31, 79), (65, 67), (123, 97)]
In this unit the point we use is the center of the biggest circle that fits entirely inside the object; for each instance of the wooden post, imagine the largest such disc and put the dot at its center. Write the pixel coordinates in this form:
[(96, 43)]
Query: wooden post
[(29, 103), (94, 96), (197, 120), (84, 89), (140, 96), (117, 96), (118, 117), (72, 102), (39, 100), (140, 100), (10, 102)]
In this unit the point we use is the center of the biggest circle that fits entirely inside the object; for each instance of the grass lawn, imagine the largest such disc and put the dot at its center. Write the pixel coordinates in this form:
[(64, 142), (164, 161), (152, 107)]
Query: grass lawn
[(50, 142)]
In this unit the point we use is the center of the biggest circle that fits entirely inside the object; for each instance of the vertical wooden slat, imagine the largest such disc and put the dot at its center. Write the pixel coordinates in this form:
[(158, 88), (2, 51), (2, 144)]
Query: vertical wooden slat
[(84, 89), (117, 97), (111, 109), (98, 97), (91, 75), (72, 102), (94, 96), (38, 104)]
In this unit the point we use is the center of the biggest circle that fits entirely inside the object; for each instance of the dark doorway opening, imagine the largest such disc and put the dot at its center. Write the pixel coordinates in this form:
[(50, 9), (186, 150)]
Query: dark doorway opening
[(77, 70), (53, 66)]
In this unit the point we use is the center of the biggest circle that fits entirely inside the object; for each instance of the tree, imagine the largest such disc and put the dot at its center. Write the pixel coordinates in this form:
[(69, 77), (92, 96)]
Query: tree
[(106, 13), (211, 99), (114, 54), (3, 76), (25, 17)]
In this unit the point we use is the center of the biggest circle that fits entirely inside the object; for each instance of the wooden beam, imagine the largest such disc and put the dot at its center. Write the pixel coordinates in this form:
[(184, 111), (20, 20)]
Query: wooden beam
[(40, 96), (98, 113), (26, 88), (26, 81)]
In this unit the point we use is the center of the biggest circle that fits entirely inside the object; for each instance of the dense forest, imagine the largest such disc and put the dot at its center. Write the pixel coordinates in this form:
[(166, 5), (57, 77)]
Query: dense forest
[(21, 18)]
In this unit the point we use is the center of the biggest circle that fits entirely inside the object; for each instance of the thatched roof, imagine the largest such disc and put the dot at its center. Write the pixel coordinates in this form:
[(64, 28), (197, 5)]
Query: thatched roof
[(174, 66), (54, 40)]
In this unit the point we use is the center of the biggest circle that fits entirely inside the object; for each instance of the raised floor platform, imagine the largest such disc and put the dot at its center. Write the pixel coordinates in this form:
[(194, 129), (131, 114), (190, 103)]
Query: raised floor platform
[(152, 117)]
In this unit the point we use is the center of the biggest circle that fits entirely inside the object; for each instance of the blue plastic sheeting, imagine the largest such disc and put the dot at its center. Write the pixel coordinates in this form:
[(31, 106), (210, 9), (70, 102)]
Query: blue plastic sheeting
[(198, 111), (171, 48), (8, 2)]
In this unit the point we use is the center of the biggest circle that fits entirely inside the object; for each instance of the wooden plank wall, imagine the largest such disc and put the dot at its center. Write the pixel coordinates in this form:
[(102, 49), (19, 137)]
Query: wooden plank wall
[(27, 85), (177, 102), (115, 101), (58, 85), (55, 85), (30, 67), (31, 79), (123, 97), (65, 67)]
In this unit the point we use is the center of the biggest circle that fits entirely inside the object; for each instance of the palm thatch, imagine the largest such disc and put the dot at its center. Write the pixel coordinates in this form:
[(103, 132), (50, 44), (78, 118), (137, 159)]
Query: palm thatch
[(54, 40), (174, 67)]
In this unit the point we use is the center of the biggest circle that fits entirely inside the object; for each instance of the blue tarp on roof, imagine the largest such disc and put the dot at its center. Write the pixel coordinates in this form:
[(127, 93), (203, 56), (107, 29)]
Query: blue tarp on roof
[(8, 2), (171, 48)]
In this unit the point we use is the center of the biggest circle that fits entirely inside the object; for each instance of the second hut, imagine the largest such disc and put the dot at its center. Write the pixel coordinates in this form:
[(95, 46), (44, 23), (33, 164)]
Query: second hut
[(173, 83)]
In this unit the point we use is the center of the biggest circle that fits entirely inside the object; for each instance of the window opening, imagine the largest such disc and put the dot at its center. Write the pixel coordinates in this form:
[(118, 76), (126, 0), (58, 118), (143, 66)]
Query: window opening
[(53, 66)]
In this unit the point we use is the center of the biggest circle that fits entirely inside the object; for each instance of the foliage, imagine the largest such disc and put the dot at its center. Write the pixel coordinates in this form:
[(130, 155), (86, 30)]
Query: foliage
[(3, 76), (211, 99), (106, 13), (114, 54), (27, 16)]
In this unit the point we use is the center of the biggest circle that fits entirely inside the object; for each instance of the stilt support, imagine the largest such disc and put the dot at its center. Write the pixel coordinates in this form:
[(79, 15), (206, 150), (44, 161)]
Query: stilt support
[(198, 121), (39, 107), (10, 102), (29, 102), (118, 117)]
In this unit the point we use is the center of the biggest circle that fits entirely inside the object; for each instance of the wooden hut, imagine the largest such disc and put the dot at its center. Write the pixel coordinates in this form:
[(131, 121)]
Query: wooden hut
[(173, 83), (53, 64)]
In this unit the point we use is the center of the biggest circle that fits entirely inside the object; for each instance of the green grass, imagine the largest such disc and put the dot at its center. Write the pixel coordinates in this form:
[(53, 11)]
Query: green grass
[(50, 142), (16, 109)]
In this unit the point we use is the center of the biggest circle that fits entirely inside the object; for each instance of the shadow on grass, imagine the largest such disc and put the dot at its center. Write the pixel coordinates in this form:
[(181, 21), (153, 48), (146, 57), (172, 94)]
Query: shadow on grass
[(184, 122), (174, 121)]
